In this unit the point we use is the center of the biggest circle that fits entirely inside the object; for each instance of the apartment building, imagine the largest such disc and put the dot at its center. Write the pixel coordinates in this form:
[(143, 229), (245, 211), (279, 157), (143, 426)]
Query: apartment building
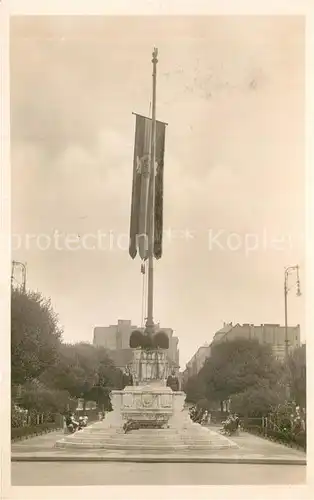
[(272, 334), (196, 362)]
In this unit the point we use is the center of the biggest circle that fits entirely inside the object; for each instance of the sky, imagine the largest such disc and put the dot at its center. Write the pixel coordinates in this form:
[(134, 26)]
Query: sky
[(232, 92)]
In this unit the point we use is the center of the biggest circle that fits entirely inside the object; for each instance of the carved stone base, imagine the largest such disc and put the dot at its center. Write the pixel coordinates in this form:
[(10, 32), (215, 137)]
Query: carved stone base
[(150, 367), (148, 403)]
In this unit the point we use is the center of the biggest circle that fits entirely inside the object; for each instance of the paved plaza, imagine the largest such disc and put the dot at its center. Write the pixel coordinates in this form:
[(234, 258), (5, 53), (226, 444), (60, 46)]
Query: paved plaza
[(35, 462), (108, 473), (251, 449)]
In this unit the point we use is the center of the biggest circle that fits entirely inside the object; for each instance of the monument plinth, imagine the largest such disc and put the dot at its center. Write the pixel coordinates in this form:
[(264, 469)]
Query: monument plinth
[(149, 402)]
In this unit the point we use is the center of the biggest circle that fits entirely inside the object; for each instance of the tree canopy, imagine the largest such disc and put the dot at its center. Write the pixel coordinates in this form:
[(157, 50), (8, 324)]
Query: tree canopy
[(35, 335), (258, 400), (194, 389), (242, 371), (83, 370), (50, 372), (234, 366), (36, 396), (297, 375)]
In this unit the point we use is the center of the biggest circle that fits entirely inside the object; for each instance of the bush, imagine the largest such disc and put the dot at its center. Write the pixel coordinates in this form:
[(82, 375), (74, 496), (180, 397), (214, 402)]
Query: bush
[(38, 398), (34, 430), (281, 436), (18, 416), (256, 401)]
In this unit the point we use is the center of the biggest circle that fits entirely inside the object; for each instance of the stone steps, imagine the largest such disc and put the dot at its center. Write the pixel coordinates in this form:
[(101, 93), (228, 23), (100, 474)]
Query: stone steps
[(140, 446), (144, 434), (151, 449), (138, 440), (193, 438)]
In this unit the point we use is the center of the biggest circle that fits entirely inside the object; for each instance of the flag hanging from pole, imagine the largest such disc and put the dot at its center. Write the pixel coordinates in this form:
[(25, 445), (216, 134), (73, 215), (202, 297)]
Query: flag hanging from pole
[(140, 205), (159, 188)]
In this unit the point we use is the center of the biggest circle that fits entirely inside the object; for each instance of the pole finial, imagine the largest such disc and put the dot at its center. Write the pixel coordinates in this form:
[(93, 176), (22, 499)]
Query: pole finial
[(155, 54)]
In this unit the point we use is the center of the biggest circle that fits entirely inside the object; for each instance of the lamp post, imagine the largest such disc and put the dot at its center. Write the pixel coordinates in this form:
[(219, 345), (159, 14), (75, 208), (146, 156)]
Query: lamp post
[(22, 266), (288, 271)]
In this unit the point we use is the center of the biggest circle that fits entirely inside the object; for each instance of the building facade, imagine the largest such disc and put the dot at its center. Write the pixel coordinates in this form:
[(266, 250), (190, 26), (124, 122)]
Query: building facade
[(196, 362), (272, 334), (116, 339)]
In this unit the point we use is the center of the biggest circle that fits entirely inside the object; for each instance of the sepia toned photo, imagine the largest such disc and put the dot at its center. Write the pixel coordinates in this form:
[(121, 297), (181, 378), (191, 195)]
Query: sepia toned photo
[(158, 250)]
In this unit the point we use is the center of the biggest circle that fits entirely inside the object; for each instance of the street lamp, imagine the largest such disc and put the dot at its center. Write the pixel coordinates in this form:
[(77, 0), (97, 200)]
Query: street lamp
[(22, 266), (288, 271)]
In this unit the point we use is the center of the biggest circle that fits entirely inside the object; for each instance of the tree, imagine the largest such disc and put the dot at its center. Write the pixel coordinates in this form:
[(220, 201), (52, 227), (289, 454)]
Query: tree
[(234, 366), (74, 370), (36, 397), (48, 374), (297, 375), (35, 335), (194, 389), (107, 377), (257, 401), (85, 371)]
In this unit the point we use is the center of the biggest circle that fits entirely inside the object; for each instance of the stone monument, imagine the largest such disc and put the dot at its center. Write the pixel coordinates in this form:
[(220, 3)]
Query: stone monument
[(149, 402), (148, 406)]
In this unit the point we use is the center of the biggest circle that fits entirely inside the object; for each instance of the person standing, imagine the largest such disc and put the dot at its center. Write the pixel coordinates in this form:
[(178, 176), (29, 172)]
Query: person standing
[(127, 378), (173, 381)]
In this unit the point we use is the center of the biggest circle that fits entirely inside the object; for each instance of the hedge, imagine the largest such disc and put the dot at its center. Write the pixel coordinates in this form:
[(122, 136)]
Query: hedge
[(38, 429), (33, 430)]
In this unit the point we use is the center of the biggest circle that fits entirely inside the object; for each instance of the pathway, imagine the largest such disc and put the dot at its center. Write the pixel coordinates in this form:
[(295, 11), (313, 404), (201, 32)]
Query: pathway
[(251, 449)]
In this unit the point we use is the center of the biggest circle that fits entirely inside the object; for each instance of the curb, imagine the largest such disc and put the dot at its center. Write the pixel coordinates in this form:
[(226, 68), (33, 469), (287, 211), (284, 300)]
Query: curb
[(162, 459), (35, 435)]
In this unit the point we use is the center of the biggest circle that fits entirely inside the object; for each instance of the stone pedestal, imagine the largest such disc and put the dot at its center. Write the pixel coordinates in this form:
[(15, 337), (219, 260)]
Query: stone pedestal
[(179, 419), (149, 401), (162, 427), (150, 405), (113, 419), (144, 404)]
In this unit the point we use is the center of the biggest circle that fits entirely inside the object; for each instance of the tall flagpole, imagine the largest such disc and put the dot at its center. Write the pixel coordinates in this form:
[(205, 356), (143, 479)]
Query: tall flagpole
[(151, 232)]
